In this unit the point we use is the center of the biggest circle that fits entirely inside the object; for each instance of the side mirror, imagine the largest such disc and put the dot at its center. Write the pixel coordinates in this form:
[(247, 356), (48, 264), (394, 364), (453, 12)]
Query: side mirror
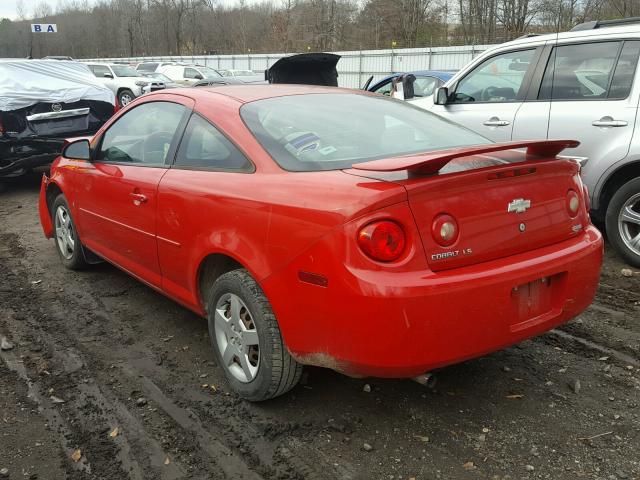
[(198, 77), (108, 75), (77, 150), (441, 96)]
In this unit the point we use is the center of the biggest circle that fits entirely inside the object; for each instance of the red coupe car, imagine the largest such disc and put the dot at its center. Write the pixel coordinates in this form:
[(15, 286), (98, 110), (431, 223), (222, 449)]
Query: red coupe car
[(329, 227)]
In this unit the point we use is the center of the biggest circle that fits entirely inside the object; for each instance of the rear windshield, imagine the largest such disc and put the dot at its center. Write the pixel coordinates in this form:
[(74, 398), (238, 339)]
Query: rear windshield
[(333, 131), (147, 67)]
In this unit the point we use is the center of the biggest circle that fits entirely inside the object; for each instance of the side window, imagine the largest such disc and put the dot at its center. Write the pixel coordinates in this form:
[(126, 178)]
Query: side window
[(100, 70), (424, 86), (579, 72), (204, 147), (143, 135), (625, 71), (384, 89), (190, 73), (497, 79)]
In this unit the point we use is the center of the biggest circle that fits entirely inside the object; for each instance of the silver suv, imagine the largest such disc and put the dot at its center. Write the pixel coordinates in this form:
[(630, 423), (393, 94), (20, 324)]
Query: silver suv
[(584, 85), (124, 81)]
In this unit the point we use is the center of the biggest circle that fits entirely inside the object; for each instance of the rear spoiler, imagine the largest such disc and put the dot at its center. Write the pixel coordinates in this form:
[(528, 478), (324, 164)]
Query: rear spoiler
[(431, 162)]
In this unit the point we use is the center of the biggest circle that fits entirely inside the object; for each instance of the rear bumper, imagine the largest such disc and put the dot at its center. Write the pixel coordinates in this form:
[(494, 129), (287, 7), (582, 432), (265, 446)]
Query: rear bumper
[(372, 323)]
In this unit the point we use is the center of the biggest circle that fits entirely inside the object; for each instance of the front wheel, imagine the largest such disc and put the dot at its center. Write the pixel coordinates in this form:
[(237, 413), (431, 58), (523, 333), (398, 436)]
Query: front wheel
[(246, 339), (125, 97), (623, 222), (66, 237)]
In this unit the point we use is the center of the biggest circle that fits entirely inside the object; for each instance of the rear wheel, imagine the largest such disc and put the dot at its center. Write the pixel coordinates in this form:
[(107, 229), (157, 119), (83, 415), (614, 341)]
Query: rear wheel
[(246, 339), (66, 237), (623, 222)]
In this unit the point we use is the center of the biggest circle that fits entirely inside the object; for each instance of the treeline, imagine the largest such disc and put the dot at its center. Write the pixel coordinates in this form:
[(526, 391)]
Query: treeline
[(118, 28)]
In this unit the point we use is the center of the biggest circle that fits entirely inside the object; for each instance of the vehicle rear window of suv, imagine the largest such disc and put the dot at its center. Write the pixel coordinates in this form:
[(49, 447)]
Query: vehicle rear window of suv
[(335, 130), (147, 67), (586, 71)]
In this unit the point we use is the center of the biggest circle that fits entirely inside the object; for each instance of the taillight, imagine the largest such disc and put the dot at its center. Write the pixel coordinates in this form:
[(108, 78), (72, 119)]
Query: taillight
[(445, 230), (383, 240), (116, 107), (1, 127), (573, 203)]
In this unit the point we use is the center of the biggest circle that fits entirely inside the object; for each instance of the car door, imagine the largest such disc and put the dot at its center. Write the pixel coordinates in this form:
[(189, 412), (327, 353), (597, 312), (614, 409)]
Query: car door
[(105, 75), (488, 97), (204, 187), (191, 75), (117, 198), (589, 86)]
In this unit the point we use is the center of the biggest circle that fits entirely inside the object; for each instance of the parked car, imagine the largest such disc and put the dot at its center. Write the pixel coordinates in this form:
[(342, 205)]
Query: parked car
[(189, 74), (582, 84), (124, 81), (42, 102), (168, 83), (245, 76), (426, 81), (305, 69), (328, 227)]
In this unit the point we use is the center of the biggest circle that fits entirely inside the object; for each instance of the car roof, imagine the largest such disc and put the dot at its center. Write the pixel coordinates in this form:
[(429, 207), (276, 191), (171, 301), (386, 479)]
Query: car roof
[(251, 92), (612, 31)]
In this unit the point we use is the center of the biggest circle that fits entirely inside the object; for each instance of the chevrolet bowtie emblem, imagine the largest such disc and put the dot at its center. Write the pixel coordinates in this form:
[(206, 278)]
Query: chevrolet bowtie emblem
[(519, 205)]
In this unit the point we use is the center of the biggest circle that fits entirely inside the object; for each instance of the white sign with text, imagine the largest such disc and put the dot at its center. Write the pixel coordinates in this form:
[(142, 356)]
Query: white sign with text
[(44, 27)]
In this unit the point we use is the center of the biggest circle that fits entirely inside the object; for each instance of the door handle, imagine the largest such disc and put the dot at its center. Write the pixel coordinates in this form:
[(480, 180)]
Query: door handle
[(138, 198), (609, 122), (495, 122)]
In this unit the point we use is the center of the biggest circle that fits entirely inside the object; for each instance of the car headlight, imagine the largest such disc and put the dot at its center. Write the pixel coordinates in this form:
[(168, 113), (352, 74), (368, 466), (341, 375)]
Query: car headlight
[(142, 83)]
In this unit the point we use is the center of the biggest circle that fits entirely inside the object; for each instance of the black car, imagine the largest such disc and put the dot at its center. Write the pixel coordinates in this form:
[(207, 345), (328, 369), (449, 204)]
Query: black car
[(42, 102)]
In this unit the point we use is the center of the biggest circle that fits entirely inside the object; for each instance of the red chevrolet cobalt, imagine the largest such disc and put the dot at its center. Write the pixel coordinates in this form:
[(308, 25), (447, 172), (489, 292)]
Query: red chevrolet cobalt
[(329, 227)]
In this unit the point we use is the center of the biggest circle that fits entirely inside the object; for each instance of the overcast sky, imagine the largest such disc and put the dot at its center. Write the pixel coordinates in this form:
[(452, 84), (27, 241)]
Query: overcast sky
[(8, 7)]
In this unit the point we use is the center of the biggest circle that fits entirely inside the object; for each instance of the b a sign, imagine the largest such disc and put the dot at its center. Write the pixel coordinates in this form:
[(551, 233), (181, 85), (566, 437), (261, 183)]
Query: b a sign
[(44, 27)]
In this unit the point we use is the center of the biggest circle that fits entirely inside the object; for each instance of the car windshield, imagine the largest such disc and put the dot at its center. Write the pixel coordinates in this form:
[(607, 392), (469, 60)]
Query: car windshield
[(208, 72), (225, 73), (159, 76), (334, 131), (124, 71)]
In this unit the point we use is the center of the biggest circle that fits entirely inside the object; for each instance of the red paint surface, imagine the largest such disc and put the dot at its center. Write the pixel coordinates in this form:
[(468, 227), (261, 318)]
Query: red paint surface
[(394, 319)]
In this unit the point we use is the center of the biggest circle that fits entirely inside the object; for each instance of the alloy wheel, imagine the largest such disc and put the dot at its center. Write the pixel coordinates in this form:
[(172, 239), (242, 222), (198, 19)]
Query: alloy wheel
[(65, 232), (125, 99), (629, 223), (237, 337)]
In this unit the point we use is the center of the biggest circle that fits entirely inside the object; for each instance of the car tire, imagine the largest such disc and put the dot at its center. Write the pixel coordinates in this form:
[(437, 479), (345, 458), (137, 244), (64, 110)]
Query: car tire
[(623, 222), (68, 243), (256, 372), (125, 97)]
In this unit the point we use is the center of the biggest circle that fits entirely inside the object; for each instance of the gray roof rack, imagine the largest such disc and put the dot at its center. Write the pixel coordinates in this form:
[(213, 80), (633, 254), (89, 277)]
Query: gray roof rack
[(605, 23), (528, 35)]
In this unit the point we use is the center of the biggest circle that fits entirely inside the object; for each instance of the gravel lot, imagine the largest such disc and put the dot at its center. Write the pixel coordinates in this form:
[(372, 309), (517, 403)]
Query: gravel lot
[(107, 379)]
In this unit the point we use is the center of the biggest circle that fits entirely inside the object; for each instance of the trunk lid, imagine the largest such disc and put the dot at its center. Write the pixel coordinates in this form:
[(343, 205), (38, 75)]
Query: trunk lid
[(45, 119), (505, 203)]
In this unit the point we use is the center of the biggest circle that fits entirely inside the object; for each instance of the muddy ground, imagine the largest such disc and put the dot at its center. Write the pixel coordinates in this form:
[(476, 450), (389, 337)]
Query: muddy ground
[(107, 379)]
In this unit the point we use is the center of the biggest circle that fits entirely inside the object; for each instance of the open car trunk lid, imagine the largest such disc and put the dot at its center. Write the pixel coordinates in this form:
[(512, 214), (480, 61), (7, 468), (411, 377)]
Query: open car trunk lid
[(504, 201), (306, 69)]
